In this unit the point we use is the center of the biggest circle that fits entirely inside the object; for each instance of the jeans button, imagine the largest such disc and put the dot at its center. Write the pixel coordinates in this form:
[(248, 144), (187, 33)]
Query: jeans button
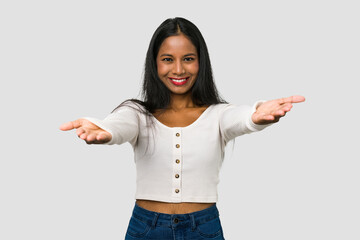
[(176, 220)]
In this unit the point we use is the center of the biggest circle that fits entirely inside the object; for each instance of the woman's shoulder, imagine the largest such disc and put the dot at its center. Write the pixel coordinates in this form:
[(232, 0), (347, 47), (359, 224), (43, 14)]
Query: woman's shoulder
[(219, 106), (133, 105)]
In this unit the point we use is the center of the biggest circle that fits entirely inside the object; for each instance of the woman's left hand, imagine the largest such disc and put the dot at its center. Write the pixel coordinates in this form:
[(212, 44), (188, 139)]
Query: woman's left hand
[(271, 111)]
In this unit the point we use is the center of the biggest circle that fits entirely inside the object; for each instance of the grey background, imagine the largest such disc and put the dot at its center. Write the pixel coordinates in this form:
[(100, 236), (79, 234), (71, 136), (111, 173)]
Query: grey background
[(61, 60)]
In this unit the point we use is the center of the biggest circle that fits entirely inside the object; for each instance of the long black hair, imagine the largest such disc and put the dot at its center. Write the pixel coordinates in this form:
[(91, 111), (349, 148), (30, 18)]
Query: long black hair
[(155, 95)]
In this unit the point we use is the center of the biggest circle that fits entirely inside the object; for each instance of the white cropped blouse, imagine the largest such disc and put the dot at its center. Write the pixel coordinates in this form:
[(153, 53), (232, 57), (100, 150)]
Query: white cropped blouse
[(179, 164)]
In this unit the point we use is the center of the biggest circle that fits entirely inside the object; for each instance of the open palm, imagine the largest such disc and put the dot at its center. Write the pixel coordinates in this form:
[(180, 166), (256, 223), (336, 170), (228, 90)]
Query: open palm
[(271, 111), (87, 131)]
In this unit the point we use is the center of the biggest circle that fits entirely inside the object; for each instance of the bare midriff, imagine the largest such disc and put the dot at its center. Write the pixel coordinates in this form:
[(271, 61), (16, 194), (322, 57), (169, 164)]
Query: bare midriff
[(172, 208)]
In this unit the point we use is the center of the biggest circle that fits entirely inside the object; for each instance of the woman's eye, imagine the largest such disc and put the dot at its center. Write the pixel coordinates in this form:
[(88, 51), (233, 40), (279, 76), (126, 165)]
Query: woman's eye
[(188, 59), (167, 59)]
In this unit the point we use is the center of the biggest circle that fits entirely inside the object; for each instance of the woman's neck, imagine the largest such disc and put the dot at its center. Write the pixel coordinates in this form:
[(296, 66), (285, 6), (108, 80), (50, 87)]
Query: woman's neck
[(179, 102)]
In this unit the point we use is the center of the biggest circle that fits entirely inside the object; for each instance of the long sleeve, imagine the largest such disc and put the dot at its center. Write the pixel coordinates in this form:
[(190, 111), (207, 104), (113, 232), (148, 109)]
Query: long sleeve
[(236, 120), (123, 125)]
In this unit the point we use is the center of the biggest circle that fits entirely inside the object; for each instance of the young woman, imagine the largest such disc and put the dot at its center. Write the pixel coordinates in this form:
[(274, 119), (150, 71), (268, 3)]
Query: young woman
[(178, 131)]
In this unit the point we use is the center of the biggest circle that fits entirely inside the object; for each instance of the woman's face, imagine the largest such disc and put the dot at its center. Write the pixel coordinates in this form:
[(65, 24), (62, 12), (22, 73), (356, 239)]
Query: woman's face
[(177, 64)]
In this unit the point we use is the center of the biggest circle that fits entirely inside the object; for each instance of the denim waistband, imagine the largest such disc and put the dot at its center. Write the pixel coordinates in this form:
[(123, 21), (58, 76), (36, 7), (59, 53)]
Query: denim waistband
[(175, 220)]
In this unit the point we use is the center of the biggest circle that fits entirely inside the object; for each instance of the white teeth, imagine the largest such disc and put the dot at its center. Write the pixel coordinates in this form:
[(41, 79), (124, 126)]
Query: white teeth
[(181, 80)]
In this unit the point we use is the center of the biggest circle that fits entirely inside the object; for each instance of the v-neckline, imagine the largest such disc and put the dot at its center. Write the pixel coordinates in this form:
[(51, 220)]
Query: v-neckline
[(193, 123)]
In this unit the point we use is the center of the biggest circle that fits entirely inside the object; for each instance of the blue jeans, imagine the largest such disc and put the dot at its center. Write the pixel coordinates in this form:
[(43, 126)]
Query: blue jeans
[(204, 224)]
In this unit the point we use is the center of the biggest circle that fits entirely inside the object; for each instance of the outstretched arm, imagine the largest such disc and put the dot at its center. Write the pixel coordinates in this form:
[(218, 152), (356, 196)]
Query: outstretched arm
[(118, 127), (271, 111)]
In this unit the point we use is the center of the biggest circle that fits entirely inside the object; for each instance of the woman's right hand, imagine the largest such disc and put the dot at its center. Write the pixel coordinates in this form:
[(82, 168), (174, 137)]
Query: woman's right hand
[(87, 131)]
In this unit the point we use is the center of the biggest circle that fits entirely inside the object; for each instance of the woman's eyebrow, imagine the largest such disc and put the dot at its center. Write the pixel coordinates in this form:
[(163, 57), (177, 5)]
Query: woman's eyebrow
[(169, 55), (165, 54)]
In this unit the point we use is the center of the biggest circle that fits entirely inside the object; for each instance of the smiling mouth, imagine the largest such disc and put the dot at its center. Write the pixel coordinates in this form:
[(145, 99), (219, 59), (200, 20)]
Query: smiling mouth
[(179, 81)]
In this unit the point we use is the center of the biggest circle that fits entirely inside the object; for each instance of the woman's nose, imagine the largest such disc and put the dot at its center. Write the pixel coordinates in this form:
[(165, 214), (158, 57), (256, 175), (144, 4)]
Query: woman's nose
[(178, 68)]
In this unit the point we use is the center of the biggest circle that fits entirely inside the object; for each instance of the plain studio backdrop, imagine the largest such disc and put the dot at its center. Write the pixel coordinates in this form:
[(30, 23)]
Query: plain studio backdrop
[(62, 60)]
